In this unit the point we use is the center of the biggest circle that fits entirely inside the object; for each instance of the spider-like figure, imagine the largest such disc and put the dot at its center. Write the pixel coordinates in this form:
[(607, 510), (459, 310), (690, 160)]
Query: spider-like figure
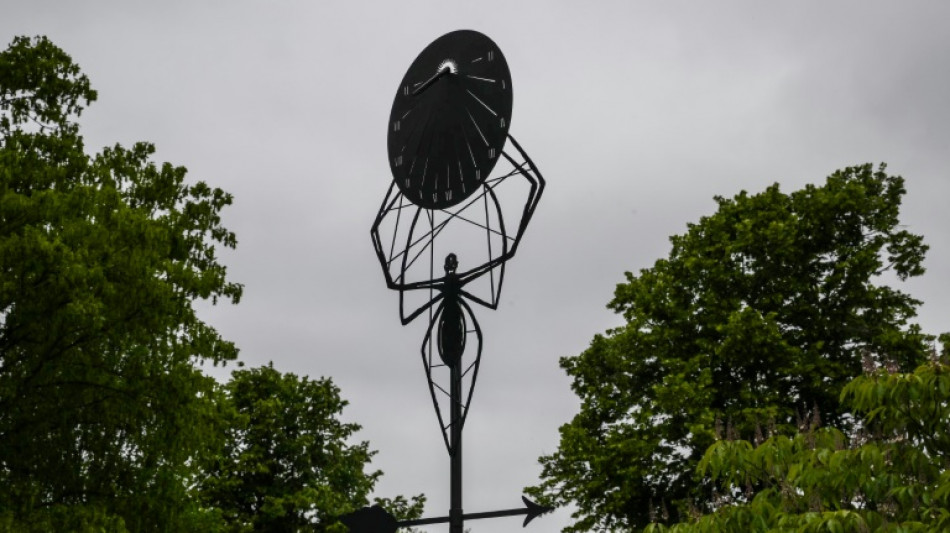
[(409, 239)]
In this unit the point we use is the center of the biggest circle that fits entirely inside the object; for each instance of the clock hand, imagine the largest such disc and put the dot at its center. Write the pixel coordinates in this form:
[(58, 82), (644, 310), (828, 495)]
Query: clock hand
[(446, 68)]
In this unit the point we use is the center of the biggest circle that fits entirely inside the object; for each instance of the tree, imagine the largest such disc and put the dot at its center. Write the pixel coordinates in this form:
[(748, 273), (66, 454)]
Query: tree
[(762, 312), (286, 465), (103, 411), (892, 475)]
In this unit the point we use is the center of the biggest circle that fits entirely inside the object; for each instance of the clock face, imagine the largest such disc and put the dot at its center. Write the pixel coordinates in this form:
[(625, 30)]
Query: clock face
[(450, 119)]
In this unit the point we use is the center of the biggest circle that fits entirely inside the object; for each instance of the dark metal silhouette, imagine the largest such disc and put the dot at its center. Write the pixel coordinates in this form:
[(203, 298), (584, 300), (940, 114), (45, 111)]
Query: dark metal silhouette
[(448, 131), (375, 519), (447, 293), (449, 119)]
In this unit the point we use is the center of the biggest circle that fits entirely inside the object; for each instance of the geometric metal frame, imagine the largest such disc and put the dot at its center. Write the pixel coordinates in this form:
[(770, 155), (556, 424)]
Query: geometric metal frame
[(396, 259), (395, 202)]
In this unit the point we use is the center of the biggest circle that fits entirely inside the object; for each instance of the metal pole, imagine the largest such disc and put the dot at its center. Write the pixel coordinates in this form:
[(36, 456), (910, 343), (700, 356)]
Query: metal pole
[(455, 512)]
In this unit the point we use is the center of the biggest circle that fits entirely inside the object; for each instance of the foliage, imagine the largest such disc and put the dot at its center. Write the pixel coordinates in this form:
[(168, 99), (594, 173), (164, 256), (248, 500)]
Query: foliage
[(402, 508), (894, 475), (103, 411), (286, 464), (762, 312)]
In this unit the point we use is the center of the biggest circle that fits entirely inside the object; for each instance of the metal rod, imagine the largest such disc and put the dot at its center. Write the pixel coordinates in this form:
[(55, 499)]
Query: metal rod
[(469, 516), (455, 511), (375, 519)]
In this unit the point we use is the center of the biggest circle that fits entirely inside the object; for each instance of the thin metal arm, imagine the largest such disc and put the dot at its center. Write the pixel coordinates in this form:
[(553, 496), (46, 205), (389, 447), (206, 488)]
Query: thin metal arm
[(531, 509), (446, 69)]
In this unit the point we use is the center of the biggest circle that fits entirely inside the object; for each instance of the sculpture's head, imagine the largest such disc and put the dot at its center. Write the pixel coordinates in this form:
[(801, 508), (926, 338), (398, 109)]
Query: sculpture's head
[(451, 264)]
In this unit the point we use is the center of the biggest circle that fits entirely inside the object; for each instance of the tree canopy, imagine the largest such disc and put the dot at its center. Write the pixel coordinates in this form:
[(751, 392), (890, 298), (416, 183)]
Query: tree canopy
[(102, 258), (757, 319), (286, 464), (891, 475), (107, 422)]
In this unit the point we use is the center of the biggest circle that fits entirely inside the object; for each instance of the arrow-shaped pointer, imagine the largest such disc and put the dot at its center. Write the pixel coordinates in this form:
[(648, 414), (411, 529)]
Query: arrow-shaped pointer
[(375, 519)]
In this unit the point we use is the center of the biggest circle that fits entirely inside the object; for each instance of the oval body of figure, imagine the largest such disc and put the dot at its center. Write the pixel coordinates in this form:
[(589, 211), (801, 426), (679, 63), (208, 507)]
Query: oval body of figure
[(451, 333), (450, 336)]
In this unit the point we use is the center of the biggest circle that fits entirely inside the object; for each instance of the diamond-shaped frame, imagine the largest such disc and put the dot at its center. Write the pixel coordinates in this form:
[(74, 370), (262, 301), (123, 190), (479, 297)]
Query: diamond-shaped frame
[(410, 241)]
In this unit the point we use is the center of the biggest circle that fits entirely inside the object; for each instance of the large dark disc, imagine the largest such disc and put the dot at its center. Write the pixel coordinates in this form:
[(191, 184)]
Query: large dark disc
[(450, 119)]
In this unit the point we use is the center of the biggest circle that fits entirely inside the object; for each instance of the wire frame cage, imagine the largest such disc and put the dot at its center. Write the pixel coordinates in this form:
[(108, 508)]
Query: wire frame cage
[(441, 261)]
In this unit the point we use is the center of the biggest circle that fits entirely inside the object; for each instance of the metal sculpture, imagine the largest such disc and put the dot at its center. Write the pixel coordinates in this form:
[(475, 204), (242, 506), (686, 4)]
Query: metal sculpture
[(448, 131), (409, 264)]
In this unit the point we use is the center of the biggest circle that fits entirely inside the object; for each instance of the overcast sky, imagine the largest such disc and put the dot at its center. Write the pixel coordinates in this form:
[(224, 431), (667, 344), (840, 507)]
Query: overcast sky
[(637, 114)]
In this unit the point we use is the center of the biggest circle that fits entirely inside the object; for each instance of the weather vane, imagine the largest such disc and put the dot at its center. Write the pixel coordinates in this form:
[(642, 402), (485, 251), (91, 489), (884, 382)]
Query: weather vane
[(447, 228)]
